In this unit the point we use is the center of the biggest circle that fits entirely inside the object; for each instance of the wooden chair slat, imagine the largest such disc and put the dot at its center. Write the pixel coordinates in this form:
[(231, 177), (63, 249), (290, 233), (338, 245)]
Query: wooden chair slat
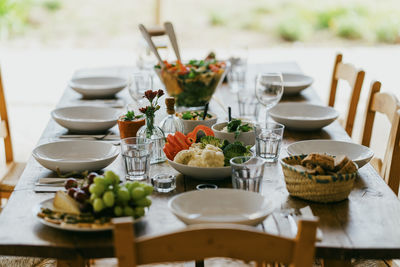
[(3, 129), (355, 78), (206, 241), (389, 105)]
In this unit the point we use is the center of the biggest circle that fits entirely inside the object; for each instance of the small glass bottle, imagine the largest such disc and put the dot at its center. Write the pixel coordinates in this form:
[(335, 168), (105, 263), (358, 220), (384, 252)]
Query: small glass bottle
[(171, 124)]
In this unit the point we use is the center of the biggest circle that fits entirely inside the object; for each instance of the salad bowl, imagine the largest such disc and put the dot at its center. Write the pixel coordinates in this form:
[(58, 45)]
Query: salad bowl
[(190, 124), (194, 83)]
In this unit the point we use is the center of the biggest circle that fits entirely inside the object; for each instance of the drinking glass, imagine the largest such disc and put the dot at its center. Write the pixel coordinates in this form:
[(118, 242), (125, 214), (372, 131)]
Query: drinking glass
[(248, 105), (237, 79), (164, 183), (268, 140), (247, 173), (269, 90), (136, 152), (139, 83)]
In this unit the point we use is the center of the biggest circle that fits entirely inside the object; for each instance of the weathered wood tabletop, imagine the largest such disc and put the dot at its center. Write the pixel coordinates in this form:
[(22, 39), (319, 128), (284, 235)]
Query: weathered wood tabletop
[(364, 226)]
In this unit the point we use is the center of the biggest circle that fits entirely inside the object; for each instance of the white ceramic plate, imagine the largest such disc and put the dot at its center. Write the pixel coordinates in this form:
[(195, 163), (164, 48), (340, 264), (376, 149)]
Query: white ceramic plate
[(202, 173), (294, 83), (247, 138), (86, 119), (70, 227), (71, 156), (98, 86), (221, 206), (361, 155), (303, 116)]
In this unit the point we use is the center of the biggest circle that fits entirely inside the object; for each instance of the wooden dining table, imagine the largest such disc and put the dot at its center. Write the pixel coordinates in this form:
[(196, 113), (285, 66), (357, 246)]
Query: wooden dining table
[(366, 225)]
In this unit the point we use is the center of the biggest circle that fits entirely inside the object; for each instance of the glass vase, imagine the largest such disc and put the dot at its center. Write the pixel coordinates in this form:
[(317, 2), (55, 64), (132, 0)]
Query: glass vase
[(154, 133)]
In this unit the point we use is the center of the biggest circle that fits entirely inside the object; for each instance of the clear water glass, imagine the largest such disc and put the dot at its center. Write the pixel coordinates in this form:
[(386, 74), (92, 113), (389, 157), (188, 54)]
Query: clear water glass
[(139, 83), (237, 79), (136, 153), (249, 107), (269, 90), (268, 140), (164, 183), (247, 173)]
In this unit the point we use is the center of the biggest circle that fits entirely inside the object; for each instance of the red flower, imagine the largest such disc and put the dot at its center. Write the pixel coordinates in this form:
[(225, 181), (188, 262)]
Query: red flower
[(160, 93), (143, 110)]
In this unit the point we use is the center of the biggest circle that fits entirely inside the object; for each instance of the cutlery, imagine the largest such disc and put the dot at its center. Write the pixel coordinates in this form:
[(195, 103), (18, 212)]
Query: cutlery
[(105, 137), (169, 28), (48, 189)]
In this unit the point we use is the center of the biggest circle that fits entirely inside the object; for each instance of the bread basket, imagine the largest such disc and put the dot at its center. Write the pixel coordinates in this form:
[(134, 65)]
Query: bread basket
[(318, 188)]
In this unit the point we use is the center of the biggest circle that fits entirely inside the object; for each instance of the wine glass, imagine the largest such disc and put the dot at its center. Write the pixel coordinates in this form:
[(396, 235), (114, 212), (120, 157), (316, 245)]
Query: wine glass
[(269, 90), (140, 83)]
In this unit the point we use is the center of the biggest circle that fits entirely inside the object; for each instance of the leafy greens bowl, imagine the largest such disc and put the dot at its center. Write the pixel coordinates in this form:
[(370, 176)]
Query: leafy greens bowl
[(248, 138), (194, 83)]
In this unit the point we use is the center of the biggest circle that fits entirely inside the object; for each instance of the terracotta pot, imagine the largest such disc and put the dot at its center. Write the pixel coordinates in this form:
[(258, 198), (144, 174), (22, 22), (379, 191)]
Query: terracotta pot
[(129, 128)]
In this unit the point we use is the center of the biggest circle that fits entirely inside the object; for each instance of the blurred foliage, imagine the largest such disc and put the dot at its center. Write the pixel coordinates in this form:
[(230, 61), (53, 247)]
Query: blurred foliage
[(298, 20), (52, 5)]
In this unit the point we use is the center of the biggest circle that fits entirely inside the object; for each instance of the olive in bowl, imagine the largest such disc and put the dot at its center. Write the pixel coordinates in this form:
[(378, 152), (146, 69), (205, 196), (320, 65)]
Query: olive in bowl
[(235, 130), (191, 119)]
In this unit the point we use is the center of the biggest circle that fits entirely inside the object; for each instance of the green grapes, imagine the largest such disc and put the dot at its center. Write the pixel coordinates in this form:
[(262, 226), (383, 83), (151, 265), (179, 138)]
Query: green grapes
[(123, 194), (108, 199), (98, 205), (128, 211), (97, 189), (138, 193), (118, 211), (143, 202)]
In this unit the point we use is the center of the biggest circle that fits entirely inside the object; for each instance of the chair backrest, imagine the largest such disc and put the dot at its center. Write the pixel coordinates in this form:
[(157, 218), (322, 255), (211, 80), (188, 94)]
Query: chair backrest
[(4, 126), (389, 105), (355, 78), (206, 241)]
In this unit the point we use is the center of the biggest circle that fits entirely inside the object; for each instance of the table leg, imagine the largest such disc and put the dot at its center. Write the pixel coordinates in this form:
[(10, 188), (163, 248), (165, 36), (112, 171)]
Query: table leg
[(199, 263), (336, 263)]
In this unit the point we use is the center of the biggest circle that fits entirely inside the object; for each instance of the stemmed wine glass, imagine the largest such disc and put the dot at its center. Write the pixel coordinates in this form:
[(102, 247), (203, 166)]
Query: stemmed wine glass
[(269, 90), (140, 83)]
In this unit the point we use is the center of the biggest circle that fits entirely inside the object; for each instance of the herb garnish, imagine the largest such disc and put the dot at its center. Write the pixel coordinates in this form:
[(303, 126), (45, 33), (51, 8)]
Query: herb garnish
[(130, 116), (236, 126)]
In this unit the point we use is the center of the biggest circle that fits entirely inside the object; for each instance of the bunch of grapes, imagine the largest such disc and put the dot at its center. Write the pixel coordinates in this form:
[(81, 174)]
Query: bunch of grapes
[(104, 195)]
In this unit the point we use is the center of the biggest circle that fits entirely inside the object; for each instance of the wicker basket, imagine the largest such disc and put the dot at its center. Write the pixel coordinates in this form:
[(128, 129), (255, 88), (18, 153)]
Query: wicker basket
[(318, 188)]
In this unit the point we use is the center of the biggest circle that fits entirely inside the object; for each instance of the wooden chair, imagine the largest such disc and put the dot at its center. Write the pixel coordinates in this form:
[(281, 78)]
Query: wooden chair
[(355, 78), (389, 105), (206, 241), (10, 171)]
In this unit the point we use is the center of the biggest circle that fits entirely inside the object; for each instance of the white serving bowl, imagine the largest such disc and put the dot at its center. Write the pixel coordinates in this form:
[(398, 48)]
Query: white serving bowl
[(98, 86), (303, 116), (221, 206), (86, 118), (189, 125), (247, 138), (202, 173), (361, 155), (68, 156), (294, 83)]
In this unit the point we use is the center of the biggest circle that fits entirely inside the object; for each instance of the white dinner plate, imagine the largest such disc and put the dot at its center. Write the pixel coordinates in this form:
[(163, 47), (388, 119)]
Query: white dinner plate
[(70, 227), (86, 119), (221, 206), (98, 86), (303, 116), (361, 155), (202, 173), (294, 83), (68, 156)]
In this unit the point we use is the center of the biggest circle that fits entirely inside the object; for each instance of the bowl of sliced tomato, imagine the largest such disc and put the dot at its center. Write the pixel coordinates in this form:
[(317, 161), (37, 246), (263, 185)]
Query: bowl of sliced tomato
[(192, 84)]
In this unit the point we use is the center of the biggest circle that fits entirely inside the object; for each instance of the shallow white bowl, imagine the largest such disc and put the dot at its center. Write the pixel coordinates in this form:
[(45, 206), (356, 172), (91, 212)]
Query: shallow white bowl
[(303, 116), (361, 155), (98, 86), (221, 206), (247, 138), (202, 173), (294, 83), (70, 156), (189, 125), (85, 118)]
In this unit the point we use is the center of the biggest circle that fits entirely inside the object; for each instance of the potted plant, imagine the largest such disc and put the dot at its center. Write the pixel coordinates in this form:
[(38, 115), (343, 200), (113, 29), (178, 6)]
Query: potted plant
[(129, 124)]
